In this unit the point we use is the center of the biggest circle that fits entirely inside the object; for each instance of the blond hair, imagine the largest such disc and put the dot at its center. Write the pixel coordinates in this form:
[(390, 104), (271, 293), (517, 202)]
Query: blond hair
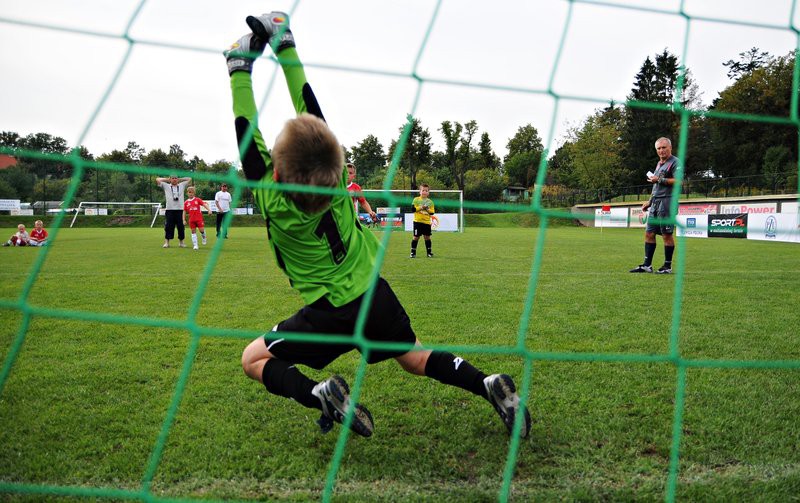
[(307, 152)]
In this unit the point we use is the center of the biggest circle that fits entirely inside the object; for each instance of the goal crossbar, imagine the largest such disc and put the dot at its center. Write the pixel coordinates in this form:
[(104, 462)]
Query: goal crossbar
[(432, 191), (83, 204)]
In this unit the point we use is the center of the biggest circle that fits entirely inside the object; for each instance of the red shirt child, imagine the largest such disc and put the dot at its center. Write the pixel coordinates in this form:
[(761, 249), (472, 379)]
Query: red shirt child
[(38, 234), (355, 189), (193, 206)]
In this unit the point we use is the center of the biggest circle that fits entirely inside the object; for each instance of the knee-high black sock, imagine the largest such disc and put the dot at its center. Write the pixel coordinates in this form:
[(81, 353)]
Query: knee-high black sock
[(450, 369), (649, 250), (668, 251), (428, 245), (414, 243), (282, 379)]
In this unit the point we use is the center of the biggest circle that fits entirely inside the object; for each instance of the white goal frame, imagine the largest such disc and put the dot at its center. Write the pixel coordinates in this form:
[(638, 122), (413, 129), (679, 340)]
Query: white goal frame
[(83, 204), (416, 193)]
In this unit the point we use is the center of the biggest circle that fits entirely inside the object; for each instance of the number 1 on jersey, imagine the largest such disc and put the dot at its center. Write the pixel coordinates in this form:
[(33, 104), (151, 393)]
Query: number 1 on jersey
[(327, 229)]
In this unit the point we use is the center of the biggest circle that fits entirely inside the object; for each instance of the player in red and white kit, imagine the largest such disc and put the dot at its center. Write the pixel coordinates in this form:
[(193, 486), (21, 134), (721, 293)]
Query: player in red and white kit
[(38, 234), (193, 206), (353, 187)]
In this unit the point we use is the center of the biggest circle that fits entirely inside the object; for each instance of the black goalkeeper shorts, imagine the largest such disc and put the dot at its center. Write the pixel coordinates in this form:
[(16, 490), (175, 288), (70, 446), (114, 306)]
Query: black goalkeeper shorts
[(421, 229), (387, 321)]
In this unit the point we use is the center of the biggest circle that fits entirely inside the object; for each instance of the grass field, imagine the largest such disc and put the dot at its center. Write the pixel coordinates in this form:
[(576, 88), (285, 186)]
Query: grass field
[(86, 400)]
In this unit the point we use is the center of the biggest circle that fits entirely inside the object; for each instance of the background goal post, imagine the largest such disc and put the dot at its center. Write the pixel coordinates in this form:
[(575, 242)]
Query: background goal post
[(128, 208), (378, 198)]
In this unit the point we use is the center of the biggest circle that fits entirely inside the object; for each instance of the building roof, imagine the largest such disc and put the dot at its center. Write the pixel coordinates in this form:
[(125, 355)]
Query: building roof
[(6, 161)]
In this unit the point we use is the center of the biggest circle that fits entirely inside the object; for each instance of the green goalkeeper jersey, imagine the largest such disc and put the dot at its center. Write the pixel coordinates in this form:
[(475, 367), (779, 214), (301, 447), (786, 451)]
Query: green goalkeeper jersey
[(325, 254)]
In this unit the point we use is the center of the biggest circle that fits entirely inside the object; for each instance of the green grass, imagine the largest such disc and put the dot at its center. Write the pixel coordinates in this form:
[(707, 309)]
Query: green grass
[(85, 400), (504, 219)]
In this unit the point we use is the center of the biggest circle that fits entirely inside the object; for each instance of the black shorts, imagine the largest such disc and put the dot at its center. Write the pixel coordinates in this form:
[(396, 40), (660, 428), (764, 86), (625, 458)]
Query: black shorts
[(659, 208), (387, 321), (421, 229)]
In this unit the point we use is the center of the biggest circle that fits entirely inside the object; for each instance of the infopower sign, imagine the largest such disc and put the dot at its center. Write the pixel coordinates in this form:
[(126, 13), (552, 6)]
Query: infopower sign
[(728, 225)]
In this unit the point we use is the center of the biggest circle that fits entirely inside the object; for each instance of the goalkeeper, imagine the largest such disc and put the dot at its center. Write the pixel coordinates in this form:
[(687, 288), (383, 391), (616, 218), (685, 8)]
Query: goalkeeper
[(326, 254)]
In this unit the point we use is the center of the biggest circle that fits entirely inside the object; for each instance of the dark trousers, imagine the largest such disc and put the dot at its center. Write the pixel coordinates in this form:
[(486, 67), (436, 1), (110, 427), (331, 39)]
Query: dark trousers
[(174, 218), (220, 218)]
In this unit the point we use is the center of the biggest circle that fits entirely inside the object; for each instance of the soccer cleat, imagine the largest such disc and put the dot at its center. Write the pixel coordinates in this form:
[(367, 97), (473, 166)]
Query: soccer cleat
[(642, 268), (181, 245), (195, 247), (413, 255), (335, 397), (430, 254), (664, 269), (6, 244), (204, 240), (503, 396), (165, 245)]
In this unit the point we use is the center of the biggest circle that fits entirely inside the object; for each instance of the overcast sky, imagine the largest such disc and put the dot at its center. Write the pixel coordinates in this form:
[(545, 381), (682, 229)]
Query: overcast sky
[(59, 59)]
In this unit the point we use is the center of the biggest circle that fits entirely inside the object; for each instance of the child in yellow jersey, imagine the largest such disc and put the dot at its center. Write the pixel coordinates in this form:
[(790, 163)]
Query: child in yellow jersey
[(423, 209)]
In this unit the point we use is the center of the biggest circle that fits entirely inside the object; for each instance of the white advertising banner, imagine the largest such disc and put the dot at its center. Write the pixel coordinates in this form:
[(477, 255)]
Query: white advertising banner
[(447, 222), (777, 227), (614, 217), (789, 207), (692, 226), (638, 217), (90, 211), (102, 211), (9, 204), (754, 208)]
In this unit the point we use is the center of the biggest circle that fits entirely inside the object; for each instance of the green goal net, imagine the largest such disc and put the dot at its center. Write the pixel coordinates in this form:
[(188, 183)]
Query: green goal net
[(23, 312)]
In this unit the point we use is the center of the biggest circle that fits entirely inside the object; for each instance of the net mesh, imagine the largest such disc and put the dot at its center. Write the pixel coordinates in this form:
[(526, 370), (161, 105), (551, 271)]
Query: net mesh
[(673, 357)]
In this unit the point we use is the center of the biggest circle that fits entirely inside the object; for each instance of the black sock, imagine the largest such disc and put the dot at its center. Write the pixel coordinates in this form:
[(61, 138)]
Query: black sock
[(414, 243), (283, 379), (668, 251), (428, 246), (649, 251), (449, 369)]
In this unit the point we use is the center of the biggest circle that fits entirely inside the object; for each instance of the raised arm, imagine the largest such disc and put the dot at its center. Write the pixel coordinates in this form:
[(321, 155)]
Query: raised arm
[(268, 29), (252, 149), (274, 28)]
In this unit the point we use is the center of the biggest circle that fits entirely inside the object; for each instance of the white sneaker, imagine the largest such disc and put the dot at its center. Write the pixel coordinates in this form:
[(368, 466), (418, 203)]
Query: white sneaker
[(165, 245), (204, 240), (195, 247)]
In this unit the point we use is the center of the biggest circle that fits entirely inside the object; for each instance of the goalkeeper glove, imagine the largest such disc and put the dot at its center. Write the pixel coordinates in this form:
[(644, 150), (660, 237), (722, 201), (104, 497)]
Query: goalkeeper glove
[(243, 52), (274, 28)]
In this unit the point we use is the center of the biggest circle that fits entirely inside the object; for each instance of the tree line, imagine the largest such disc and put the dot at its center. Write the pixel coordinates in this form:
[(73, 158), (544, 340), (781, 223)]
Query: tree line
[(610, 150)]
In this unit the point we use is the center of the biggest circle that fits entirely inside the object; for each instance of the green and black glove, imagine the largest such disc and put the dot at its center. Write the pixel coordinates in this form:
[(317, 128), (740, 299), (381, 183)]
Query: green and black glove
[(243, 52), (274, 28)]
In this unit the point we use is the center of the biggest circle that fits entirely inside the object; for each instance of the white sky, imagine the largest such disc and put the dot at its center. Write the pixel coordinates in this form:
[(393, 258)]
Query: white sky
[(53, 81)]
